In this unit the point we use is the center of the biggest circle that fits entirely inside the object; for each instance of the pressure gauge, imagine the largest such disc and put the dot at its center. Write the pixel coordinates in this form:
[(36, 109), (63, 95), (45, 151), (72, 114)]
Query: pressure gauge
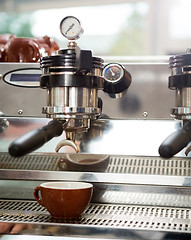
[(113, 72), (116, 80), (71, 28)]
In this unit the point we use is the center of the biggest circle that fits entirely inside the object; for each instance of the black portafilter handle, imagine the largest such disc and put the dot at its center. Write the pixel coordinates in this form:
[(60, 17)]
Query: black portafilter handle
[(35, 139), (174, 143)]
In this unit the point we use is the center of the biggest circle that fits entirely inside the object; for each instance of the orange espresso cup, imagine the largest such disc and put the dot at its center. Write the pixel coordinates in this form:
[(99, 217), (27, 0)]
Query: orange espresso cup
[(66, 200)]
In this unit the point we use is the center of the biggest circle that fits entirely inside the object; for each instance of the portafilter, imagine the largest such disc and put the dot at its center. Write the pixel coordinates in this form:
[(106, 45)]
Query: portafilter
[(180, 81), (71, 79)]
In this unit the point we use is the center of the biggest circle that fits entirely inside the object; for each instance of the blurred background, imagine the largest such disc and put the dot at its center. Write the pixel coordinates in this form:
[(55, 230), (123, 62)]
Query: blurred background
[(112, 27)]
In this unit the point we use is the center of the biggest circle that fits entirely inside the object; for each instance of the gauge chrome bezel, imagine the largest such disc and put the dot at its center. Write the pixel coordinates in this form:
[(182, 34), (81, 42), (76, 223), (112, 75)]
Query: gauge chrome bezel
[(76, 35), (110, 65)]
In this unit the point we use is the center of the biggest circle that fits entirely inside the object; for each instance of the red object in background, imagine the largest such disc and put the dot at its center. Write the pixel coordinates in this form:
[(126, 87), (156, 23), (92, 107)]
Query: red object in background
[(15, 49)]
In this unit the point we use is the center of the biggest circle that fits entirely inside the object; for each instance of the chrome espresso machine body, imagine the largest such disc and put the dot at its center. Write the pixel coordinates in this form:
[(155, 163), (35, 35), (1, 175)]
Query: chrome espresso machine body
[(72, 79), (76, 117), (179, 81)]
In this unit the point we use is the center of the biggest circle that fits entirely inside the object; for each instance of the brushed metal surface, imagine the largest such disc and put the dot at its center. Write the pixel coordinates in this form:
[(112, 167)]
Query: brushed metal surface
[(136, 137), (103, 215), (148, 93), (176, 166)]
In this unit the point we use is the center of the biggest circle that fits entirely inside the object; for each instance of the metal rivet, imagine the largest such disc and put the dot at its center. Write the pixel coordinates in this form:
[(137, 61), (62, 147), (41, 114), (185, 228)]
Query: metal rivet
[(145, 114), (20, 111)]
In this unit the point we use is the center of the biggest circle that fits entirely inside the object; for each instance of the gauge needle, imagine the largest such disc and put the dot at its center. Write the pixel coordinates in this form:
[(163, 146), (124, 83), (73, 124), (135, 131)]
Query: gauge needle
[(70, 27), (112, 73)]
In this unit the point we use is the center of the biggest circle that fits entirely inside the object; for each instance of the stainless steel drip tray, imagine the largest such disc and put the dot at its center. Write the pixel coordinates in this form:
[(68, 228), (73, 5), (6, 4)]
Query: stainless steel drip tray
[(125, 164), (103, 220), (136, 180)]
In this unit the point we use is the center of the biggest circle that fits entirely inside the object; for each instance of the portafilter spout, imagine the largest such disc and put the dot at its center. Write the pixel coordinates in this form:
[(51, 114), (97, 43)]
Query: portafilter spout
[(180, 80)]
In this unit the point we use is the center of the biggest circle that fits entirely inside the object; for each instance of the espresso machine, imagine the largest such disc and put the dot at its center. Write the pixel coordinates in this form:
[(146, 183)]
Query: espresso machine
[(179, 81), (72, 79), (76, 117)]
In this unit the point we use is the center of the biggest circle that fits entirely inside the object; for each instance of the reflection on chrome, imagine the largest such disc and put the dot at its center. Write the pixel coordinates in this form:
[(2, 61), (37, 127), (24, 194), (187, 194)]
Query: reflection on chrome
[(13, 228)]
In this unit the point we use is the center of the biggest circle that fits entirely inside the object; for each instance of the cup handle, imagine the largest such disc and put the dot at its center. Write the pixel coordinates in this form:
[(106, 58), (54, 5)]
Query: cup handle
[(36, 53), (37, 196)]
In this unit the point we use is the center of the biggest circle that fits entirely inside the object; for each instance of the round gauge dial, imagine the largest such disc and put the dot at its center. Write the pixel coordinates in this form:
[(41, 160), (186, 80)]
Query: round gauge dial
[(113, 72), (71, 28)]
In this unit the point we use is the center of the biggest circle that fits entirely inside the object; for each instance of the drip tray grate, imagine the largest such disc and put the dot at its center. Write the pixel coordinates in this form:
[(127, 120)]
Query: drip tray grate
[(150, 165), (30, 162), (107, 215), (117, 164)]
